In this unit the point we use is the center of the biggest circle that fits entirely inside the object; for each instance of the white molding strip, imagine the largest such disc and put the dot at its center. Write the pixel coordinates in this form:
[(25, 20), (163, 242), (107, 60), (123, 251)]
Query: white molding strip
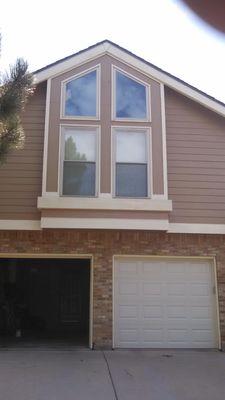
[(104, 223), (126, 57), (101, 203), (45, 152), (164, 147), (197, 228), (20, 224), (112, 223)]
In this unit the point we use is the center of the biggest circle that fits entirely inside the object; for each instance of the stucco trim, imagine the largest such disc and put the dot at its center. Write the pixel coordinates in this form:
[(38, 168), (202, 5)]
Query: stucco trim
[(104, 223), (103, 203), (20, 224), (197, 228)]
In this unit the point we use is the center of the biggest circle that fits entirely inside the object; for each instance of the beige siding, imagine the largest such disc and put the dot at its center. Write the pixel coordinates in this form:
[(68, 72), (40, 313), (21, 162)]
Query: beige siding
[(21, 176), (196, 161)]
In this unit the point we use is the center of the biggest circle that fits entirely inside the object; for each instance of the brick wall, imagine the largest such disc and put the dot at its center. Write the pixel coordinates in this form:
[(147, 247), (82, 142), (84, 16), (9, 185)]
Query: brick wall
[(103, 245)]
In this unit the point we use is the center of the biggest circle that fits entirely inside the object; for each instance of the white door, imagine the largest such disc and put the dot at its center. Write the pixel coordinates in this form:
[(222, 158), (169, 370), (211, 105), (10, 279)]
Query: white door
[(164, 303)]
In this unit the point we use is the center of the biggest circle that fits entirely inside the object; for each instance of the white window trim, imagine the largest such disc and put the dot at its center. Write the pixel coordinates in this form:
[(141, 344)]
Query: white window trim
[(113, 96), (97, 130), (147, 131), (96, 68)]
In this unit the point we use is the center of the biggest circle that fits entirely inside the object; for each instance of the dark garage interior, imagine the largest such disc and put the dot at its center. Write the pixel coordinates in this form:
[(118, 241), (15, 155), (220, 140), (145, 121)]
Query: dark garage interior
[(44, 301)]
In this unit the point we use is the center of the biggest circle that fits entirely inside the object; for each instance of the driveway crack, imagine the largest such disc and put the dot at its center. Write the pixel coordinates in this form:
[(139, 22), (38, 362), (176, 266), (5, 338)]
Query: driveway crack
[(110, 375)]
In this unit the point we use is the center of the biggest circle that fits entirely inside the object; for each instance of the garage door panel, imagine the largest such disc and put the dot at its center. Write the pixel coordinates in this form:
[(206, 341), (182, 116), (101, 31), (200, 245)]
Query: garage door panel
[(151, 288), (128, 311), (203, 301), (178, 335), (202, 312), (201, 335), (164, 303), (127, 288), (153, 335), (176, 288), (127, 268), (176, 300), (204, 289), (176, 311), (152, 311), (128, 335)]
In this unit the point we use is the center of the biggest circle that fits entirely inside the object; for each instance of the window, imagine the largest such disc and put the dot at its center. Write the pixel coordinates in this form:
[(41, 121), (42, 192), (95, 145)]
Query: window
[(79, 161), (131, 162), (80, 96), (131, 98)]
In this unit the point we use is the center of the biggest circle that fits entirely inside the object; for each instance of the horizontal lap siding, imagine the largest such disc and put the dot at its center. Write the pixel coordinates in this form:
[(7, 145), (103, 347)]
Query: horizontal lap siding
[(196, 161), (21, 176)]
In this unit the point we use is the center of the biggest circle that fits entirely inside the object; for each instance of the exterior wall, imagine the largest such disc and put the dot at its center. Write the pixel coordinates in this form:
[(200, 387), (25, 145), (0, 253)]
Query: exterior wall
[(105, 123), (103, 245), (21, 176), (196, 162)]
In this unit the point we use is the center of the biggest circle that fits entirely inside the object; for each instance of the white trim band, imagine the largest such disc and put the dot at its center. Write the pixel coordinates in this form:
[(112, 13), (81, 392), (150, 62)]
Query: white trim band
[(112, 223), (104, 223), (20, 224), (103, 203), (197, 228)]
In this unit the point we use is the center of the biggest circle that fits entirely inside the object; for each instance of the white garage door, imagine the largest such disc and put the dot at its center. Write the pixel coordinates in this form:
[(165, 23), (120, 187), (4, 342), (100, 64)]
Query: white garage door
[(164, 303)]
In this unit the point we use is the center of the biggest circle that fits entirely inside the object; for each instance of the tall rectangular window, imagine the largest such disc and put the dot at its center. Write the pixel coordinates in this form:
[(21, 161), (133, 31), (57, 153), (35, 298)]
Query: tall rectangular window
[(79, 161), (131, 162)]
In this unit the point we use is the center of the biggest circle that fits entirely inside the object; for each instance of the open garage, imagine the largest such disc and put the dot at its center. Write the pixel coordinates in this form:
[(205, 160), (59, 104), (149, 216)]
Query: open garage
[(44, 301)]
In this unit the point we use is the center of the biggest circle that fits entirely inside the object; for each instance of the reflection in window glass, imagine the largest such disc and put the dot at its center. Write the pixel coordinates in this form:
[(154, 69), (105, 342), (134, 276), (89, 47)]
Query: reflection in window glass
[(131, 163), (131, 180), (79, 179), (130, 146), (81, 96), (80, 145), (130, 98), (79, 166)]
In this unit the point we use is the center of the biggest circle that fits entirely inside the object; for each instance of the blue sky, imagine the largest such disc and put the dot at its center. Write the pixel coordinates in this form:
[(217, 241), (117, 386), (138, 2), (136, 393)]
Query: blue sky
[(163, 32)]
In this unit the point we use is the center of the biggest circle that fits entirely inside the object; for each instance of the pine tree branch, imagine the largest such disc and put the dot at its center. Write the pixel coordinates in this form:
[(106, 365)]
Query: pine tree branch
[(16, 87)]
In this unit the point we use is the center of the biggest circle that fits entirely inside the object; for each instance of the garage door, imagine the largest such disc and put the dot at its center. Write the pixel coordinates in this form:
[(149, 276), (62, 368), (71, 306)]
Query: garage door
[(164, 303)]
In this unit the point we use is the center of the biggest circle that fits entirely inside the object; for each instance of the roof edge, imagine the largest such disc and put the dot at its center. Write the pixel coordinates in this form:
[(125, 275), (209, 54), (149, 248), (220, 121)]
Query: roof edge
[(107, 46)]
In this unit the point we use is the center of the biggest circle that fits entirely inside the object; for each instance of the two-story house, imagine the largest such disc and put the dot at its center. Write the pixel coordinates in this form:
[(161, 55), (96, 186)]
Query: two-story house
[(112, 217)]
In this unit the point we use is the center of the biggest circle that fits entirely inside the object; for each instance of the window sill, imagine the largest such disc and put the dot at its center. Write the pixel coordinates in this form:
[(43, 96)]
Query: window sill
[(102, 203)]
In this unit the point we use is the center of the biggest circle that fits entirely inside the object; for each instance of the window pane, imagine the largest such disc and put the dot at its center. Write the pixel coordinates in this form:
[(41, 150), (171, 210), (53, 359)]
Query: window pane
[(79, 178), (131, 180), (80, 145), (81, 96), (130, 98), (131, 146)]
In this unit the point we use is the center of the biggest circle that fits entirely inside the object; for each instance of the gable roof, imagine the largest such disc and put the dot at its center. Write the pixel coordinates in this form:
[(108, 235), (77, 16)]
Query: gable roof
[(116, 51)]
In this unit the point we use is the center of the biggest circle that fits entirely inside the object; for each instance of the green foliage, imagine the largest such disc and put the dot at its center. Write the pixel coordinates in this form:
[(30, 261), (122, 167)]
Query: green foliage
[(71, 152), (16, 87)]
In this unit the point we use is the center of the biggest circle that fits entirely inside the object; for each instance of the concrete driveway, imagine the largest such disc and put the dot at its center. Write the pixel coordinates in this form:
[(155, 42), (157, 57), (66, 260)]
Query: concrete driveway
[(111, 375)]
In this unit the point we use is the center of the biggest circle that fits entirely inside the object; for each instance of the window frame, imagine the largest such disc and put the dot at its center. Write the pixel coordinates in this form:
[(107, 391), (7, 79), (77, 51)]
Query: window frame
[(148, 135), (113, 97), (96, 68), (63, 129)]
